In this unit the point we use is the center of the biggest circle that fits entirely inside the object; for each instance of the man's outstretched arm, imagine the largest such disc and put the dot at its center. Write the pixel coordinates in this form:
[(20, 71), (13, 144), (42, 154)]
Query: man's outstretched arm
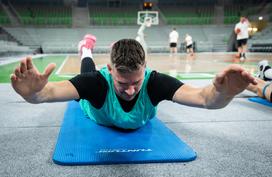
[(230, 82), (34, 87)]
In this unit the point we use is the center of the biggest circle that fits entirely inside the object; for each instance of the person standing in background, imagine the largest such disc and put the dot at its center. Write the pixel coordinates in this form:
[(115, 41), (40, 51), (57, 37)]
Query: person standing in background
[(241, 30), (189, 44), (173, 40)]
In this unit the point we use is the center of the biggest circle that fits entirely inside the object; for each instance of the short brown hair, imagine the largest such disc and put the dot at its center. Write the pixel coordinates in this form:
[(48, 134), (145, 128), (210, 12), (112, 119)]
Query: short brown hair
[(127, 55)]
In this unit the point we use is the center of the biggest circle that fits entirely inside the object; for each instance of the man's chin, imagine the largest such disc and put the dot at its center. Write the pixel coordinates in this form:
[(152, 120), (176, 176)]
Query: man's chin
[(128, 98)]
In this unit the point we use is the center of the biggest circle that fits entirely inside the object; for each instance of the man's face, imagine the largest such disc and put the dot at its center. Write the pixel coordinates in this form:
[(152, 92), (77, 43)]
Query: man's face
[(127, 85)]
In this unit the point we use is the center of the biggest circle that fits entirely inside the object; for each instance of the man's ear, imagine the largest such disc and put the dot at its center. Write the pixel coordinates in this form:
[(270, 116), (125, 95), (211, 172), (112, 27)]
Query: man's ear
[(109, 68)]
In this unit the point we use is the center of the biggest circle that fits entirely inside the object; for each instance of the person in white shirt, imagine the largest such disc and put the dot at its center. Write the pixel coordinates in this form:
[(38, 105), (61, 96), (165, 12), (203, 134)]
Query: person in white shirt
[(173, 40), (189, 44), (241, 30)]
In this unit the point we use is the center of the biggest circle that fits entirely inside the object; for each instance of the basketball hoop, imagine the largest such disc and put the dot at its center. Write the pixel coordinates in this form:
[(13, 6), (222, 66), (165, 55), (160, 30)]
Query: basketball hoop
[(148, 18)]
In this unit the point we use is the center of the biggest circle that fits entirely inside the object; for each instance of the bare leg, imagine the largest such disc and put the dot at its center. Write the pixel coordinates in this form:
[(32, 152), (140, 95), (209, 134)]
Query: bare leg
[(191, 51), (172, 50), (175, 50), (240, 50), (268, 92), (262, 89), (244, 50)]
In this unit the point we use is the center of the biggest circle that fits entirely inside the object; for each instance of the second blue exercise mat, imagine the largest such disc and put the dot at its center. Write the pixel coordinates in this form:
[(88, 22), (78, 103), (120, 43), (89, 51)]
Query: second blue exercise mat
[(260, 101), (82, 142)]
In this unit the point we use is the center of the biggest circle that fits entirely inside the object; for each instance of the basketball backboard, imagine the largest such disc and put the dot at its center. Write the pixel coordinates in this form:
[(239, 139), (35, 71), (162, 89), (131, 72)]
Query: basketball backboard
[(152, 16)]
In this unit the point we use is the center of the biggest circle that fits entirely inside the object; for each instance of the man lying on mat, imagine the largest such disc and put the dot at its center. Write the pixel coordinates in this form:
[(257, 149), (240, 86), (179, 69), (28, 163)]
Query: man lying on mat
[(126, 93)]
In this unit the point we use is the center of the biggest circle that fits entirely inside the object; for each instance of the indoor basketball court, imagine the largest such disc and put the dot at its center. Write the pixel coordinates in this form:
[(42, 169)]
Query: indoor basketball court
[(63, 138)]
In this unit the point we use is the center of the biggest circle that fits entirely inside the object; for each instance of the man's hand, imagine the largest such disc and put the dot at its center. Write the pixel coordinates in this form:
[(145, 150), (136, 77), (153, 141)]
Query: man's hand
[(233, 80), (27, 80)]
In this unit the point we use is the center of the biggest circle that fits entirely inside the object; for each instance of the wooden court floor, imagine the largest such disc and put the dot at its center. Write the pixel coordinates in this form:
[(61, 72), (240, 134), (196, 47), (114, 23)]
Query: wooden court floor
[(180, 63)]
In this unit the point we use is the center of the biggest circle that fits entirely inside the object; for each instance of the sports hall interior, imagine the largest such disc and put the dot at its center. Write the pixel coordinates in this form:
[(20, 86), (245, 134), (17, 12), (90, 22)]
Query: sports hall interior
[(233, 141)]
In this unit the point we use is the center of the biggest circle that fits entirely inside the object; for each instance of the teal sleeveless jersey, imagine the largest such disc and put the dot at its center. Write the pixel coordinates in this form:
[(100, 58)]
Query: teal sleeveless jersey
[(112, 114)]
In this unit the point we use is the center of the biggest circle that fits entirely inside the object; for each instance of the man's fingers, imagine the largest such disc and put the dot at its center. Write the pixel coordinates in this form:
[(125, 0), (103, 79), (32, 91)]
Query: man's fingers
[(228, 70), (13, 77), (14, 80), (248, 77), (29, 64), (234, 68), (255, 82), (49, 69), (17, 72), (219, 78), (23, 66)]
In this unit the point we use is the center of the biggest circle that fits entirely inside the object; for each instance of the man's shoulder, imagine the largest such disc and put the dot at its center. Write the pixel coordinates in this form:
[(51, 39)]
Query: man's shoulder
[(173, 32), (94, 75), (154, 75)]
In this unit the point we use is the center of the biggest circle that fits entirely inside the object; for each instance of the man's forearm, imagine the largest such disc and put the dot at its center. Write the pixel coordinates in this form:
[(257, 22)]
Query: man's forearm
[(214, 99), (54, 92)]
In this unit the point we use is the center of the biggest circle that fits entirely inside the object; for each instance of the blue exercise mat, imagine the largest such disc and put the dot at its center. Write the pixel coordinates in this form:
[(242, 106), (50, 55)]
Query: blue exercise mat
[(260, 101), (82, 142)]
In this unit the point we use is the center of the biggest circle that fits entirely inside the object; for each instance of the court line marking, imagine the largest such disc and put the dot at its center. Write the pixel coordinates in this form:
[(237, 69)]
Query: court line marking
[(67, 76), (62, 65)]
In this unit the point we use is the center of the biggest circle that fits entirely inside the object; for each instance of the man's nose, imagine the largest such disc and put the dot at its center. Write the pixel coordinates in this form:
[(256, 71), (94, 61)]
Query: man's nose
[(130, 90)]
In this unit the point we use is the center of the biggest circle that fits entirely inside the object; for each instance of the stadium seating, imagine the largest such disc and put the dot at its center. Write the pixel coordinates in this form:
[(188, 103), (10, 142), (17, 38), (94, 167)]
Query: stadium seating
[(188, 15), (4, 20), (44, 15), (113, 23), (232, 14), (113, 16), (12, 47), (262, 41)]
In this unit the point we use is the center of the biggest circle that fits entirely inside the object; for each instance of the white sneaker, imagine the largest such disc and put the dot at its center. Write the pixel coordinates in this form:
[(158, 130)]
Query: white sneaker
[(261, 68), (242, 59)]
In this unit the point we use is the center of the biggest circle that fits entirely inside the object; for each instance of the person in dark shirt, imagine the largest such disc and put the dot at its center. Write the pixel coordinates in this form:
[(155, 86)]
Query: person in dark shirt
[(125, 93)]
